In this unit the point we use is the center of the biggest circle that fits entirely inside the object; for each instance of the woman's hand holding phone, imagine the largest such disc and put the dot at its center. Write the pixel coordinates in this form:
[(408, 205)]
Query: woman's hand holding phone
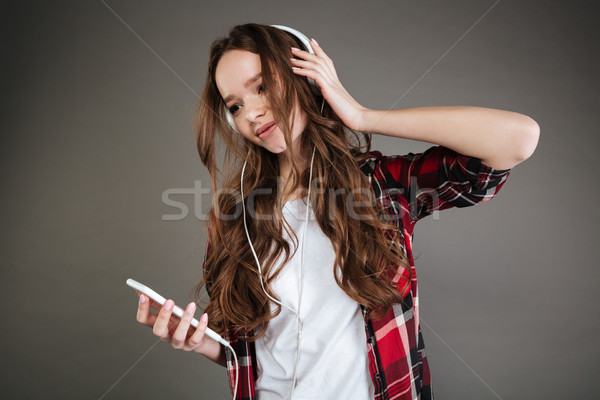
[(178, 331)]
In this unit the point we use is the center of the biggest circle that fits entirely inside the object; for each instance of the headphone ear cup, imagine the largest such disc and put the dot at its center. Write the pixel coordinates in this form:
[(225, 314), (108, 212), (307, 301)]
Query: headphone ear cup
[(230, 120), (314, 87)]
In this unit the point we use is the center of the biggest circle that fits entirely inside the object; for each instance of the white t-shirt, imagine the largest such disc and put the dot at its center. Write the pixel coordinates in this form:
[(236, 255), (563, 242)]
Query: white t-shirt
[(333, 354)]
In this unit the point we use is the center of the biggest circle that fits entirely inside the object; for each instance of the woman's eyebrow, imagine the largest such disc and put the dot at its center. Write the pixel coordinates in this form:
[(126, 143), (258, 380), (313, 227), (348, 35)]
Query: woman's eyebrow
[(248, 83)]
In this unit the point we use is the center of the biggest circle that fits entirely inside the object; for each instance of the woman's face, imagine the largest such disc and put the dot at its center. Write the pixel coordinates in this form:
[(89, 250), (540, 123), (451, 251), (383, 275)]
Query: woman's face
[(238, 78)]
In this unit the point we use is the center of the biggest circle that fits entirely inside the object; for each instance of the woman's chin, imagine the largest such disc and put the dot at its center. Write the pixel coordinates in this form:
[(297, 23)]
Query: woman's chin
[(276, 148)]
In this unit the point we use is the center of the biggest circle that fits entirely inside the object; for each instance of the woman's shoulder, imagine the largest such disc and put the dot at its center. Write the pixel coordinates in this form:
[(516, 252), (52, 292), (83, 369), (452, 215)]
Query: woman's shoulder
[(369, 160)]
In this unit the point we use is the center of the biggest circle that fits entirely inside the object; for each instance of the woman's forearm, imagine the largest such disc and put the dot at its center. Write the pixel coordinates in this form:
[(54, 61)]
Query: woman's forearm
[(501, 139)]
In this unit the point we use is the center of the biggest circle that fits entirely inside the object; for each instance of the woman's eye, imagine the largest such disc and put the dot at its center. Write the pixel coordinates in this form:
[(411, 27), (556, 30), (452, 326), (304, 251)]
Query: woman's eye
[(261, 88), (234, 108)]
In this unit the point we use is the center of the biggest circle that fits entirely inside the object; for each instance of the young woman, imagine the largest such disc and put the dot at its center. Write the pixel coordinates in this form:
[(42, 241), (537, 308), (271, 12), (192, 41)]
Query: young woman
[(325, 306)]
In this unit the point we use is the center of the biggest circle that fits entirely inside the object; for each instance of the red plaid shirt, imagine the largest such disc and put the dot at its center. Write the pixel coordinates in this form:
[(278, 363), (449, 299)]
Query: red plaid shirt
[(409, 188)]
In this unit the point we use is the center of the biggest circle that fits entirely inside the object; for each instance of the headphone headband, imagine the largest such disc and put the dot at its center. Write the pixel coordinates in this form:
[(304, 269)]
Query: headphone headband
[(301, 36)]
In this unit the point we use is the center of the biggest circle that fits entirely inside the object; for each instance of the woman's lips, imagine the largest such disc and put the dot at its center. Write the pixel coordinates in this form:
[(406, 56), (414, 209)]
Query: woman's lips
[(267, 132)]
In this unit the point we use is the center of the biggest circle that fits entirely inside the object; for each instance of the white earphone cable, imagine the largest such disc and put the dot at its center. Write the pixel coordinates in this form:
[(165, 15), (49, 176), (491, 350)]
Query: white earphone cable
[(306, 216), (237, 371), (252, 246), (296, 312)]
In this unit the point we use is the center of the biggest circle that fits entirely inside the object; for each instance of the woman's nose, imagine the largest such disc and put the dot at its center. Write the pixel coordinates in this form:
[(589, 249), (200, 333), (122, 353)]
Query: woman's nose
[(255, 108)]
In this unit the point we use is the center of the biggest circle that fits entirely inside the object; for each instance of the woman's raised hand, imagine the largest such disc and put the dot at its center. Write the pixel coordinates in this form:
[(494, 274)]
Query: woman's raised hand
[(178, 332), (319, 67)]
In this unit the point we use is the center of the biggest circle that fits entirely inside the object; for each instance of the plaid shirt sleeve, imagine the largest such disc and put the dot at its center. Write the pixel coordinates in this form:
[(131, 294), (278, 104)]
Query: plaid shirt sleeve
[(409, 188), (439, 178)]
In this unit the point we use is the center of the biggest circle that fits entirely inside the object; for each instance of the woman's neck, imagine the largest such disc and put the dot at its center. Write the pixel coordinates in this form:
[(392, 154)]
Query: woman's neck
[(285, 174)]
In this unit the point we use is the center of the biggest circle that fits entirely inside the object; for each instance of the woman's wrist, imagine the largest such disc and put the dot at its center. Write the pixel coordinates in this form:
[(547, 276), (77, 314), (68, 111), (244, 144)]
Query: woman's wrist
[(361, 119), (212, 350), (367, 120)]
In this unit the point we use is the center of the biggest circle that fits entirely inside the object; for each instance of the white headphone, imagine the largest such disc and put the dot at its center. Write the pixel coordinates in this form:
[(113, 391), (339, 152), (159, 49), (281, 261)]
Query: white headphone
[(306, 42)]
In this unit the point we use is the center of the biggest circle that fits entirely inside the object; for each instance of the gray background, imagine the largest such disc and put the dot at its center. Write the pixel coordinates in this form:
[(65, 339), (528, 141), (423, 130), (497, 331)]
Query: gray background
[(95, 127)]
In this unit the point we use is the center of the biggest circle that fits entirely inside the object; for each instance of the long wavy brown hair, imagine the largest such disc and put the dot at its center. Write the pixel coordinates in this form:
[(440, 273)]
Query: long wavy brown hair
[(368, 250)]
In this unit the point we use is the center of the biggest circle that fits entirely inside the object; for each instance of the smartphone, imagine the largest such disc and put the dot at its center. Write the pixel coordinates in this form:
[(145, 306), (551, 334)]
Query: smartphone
[(160, 300)]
